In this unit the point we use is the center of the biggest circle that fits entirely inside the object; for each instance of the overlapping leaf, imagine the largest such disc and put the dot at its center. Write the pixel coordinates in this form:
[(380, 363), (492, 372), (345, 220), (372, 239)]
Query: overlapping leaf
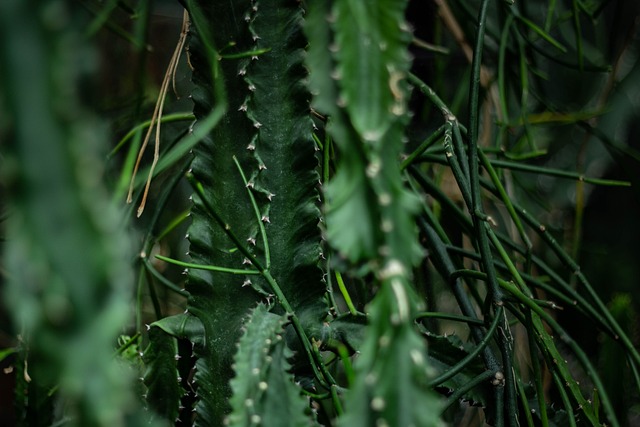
[(359, 66), (263, 389), (392, 367)]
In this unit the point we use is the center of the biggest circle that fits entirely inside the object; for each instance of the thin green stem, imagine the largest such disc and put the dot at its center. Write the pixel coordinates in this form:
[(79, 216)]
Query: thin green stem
[(534, 282), (476, 210), (459, 366), (326, 158), (444, 264), (502, 89), (459, 175), (323, 375), (458, 146), (518, 166), (131, 341), (538, 170), (565, 398), (139, 299), (345, 294), (542, 33), (163, 280), (474, 174), (435, 136), (448, 316), (320, 371), (219, 269), (578, 31), (256, 210), (537, 372), (246, 54), (547, 345), (179, 219), (335, 398), (508, 372), (431, 96), (455, 396), (197, 186), (550, 12), (507, 201), (571, 296), (525, 403)]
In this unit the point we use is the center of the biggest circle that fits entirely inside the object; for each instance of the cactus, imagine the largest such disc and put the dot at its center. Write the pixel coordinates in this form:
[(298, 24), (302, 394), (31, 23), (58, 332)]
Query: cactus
[(257, 175)]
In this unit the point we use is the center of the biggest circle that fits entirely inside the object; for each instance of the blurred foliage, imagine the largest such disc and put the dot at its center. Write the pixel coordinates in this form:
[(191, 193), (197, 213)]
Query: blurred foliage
[(67, 274)]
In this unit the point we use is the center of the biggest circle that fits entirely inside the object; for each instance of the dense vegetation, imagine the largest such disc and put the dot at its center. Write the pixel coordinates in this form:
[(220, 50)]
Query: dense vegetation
[(385, 204)]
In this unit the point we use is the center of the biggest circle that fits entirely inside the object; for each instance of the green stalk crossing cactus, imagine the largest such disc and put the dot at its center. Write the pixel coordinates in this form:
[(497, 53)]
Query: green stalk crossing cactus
[(256, 175)]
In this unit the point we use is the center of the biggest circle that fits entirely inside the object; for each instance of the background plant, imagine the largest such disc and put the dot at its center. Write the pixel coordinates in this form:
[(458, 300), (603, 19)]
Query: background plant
[(351, 209)]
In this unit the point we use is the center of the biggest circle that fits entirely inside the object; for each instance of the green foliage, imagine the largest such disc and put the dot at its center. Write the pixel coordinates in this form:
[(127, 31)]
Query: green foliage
[(366, 244)]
